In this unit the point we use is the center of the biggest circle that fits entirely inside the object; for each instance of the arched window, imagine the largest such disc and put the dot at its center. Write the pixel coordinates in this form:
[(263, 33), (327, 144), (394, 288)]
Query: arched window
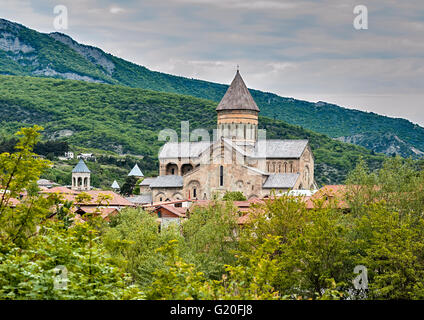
[(307, 175), (194, 193), (221, 176)]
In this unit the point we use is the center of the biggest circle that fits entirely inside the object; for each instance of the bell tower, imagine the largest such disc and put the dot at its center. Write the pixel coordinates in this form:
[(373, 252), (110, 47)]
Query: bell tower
[(81, 177), (238, 113)]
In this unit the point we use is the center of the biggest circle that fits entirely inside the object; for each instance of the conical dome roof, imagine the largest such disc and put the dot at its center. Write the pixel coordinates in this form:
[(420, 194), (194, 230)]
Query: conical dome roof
[(81, 167), (237, 97), (136, 172)]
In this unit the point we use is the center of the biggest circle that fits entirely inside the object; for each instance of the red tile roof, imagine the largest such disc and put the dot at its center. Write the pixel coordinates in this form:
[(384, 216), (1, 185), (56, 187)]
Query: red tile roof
[(116, 199), (178, 211), (105, 213), (62, 190), (327, 194), (70, 195)]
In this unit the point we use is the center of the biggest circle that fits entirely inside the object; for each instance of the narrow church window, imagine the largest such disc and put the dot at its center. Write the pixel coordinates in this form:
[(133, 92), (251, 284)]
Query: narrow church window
[(173, 171), (221, 176), (194, 193)]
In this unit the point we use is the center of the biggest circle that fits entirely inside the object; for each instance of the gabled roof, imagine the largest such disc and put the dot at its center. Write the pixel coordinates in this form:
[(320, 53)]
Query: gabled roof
[(277, 149), (178, 211), (115, 185), (281, 181), (280, 149), (81, 167), (63, 190), (116, 199), (169, 181), (237, 97), (183, 149), (146, 181), (141, 199), (136, 172)]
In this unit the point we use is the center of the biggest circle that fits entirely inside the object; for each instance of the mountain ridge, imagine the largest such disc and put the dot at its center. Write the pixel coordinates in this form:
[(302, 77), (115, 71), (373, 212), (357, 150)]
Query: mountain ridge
[(24, 51), (127, 121)]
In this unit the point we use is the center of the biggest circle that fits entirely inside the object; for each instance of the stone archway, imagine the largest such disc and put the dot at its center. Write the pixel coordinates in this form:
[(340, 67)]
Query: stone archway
[(160, 196), (306, 175), (177, 196), (186, 168), (194, 190), (171, 169)]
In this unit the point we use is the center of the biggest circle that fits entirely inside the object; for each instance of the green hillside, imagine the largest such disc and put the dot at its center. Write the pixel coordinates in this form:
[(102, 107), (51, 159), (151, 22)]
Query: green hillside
[(28, 52), (127, 120)]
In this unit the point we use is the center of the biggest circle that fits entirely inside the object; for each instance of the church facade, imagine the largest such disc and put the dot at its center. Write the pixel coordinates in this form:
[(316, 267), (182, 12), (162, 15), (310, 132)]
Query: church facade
[(237, 160)]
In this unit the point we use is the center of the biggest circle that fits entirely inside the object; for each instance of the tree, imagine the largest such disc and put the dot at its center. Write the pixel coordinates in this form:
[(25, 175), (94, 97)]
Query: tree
[(210, 236), (234, 196), (132, 238), (37, 238), (128, 187), (313, 257), (86, 270), (178, 280), (19, 172)]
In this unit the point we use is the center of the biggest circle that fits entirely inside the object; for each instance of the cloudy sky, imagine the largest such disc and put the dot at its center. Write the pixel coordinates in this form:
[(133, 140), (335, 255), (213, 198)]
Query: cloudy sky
[(296, 48)]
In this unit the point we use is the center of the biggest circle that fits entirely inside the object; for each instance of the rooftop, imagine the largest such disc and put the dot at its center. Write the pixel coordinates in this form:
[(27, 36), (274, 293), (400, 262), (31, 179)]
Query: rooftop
[(278, 149), (237, 97), (169, 181), (281, 181), (115, 185), (136, 172), (147, 181), (183, 149), (81, 167), (141, 199)]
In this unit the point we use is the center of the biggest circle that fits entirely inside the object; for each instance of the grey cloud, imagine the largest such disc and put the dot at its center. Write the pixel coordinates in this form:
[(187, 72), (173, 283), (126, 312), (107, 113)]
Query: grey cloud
[(294, 48)]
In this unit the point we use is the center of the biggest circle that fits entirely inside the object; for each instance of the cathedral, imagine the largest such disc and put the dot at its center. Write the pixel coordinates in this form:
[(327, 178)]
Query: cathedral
[(238, 158)]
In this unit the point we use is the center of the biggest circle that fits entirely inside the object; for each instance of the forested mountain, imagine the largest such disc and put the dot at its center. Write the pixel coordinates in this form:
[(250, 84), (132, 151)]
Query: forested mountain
[(127, 120), (27, 52)]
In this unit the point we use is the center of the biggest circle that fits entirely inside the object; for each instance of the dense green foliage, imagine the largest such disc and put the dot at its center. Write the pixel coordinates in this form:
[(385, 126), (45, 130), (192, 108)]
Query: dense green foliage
[(41, 258), (324, 118), (290, 252), (234, 196), (127, 120), (49, 149), (285, 251)]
